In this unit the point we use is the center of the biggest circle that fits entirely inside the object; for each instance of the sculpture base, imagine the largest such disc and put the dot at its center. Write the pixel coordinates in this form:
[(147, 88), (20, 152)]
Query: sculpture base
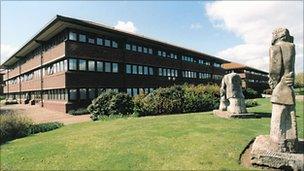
[(226, 114), (262, 152)]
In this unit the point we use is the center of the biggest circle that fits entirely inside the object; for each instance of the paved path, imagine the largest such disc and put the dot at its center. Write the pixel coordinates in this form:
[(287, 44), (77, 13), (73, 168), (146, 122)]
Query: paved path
[(41, 115)]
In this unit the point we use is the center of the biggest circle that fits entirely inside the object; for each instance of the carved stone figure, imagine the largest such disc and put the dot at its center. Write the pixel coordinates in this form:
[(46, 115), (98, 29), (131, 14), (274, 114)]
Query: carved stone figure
[(283, 129), (281, 149), (232, 101)]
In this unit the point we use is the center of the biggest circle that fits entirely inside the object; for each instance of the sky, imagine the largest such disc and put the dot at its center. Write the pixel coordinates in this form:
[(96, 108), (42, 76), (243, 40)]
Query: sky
[(238, 31)]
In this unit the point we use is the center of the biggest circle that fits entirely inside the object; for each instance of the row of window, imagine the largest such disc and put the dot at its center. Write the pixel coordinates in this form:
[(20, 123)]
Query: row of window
[(255, 73), (92, 40), (203, 62), (166, 55), (140, 49), (55, 68), (92, 65), (189, 74), (167, 72), (188, 59), (204, 75), (139, 69), (217, 77), (136, 91)]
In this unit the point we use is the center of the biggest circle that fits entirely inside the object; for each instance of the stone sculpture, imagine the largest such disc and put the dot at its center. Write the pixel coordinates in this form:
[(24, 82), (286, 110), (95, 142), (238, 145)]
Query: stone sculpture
[(232, 102), (281, 149)]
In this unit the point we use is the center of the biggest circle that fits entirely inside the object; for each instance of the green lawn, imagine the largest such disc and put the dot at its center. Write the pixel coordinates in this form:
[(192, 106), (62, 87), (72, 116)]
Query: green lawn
[(188, 141)]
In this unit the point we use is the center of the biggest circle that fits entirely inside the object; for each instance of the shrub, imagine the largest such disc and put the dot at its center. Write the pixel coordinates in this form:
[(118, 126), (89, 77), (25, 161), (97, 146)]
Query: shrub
[(13, 126), (251, 103), (44, 127), (80, 111), (111, 103), (249, 93), (2, 98), (177, 99)]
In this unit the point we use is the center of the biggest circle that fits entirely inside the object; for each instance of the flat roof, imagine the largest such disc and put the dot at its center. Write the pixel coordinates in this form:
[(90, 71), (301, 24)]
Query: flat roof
[(234, 65), (60, 23)]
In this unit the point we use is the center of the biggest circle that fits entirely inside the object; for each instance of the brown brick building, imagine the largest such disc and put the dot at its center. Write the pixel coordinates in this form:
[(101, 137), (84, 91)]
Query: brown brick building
[(251, 77), (70, 61)]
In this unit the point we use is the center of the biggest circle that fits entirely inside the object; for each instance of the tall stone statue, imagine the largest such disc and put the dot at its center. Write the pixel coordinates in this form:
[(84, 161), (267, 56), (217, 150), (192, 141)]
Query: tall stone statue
[(283, 129), (281, 149), (232, 101)]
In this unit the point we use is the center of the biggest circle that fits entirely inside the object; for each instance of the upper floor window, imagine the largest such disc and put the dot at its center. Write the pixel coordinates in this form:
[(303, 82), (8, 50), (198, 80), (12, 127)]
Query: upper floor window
[(82, 38), (128, 69), (115, 67), (107, 43), (139, 49), (134, 48), (128, 46), (91, 65), (92, 41), (114, 44), (150, 51), (83, 93), (72, 36), (82, 65), (145, 50), (72, 64), (99, 66), (134, 69), (99, 41), (107, 67), (73, 94)]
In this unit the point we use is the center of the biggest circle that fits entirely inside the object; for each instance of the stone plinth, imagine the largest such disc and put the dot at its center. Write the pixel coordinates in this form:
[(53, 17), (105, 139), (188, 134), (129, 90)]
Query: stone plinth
[(226, 114), (265, 153)]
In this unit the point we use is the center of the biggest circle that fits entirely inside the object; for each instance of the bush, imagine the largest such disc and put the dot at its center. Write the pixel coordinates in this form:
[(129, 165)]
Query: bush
[(249, 93), (111, 103), (177, 99), (2, 98), (251, 103), (80, 111), (13, 126)]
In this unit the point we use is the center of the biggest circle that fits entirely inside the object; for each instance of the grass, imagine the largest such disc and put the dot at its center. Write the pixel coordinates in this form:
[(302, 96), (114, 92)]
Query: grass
[(188, 141)]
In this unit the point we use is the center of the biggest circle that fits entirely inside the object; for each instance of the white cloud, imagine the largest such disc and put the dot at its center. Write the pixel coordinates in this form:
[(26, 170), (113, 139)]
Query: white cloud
[(6, 52), (126, 26), (254, 22), (196, 26)]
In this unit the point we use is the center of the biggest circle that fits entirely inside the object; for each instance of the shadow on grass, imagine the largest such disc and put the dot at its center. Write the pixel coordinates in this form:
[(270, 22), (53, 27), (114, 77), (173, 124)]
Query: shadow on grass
[(266, 114)]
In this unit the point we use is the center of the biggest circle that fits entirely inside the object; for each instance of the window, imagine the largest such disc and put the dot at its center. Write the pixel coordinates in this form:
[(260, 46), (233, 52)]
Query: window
[(134, 69), (145, 70), (164, 54), (83, 93), (92, 41), (160, 71), (139, 49), (99, 41), (140, 70), (91, 93), (128, 69), (128, 46), (107, 67), (129, 91), (159, 53), (82, 38), (150, 51), (72, 36), (164, 72), (107, 43), (150, 71), (114, 44), (72, 64), (133, 47), (82, 65), (73, 94), (135, 91), (99, 66), (91, 65), (115, 67), (145, 50)]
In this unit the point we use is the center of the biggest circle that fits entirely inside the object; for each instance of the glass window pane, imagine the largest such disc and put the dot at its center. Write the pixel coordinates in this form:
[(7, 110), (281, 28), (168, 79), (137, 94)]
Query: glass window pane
[(72, 36), (139, 49), (145, 50), (140, 70), (128, 46), (99, 66), (134, 48), (114, 44), (145, 70), (91, 93), (150, 51), (135, 91), (83, 93), (150, 71), (73, 94), (92, 41), (134, 69), (82, 65), (91, 65), (82, 38), (99, 41), (128, 69), (160, 71), (107, 43), (107, 67), (115, 67), (72, 64), (129, 91)]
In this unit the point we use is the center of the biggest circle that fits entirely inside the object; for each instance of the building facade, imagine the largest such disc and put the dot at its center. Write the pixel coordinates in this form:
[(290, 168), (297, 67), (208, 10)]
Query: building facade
[(70, 61), (251, 77)]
